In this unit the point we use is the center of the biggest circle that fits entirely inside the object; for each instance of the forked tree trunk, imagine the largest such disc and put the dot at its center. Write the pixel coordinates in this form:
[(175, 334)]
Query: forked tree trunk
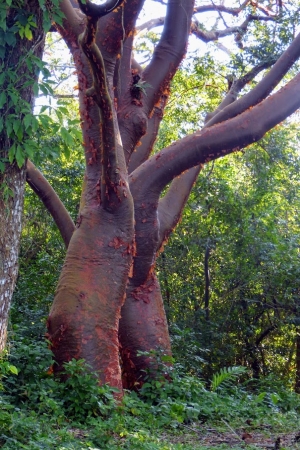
[(108, 256)]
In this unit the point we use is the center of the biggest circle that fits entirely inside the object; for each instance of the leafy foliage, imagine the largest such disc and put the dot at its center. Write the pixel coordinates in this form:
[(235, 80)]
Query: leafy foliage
[(37, 410)]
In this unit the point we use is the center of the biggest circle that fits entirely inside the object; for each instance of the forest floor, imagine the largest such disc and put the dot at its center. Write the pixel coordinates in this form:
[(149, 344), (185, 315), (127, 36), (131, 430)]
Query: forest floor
[(211, 438)]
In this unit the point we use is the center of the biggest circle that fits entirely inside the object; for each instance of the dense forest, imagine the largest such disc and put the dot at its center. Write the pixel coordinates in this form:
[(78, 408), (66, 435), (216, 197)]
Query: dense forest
[(149, 280)]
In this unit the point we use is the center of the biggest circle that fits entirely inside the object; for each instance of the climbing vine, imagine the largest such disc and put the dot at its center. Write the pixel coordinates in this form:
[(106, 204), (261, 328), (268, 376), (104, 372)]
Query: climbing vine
[(23, 75)]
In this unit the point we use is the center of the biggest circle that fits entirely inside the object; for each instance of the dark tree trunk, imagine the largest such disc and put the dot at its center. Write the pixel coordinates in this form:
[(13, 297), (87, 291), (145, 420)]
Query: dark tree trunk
[(12, 180), (297, 360)]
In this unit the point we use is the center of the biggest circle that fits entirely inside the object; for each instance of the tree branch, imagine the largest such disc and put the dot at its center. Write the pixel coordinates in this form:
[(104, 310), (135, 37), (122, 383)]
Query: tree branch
[(265, 334), (214, 35), (100, 94), (214, 142), (153, 23), (264, 87), (142, 152), (238, 85), (221, 8), (97, 11), (172, 204), (72, 23), (169, 51), (170, 207), (52, 202)]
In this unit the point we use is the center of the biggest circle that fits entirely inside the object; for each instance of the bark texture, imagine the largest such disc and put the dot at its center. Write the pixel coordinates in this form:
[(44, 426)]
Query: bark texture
[(124, 221), (10, 229), (12, 180)]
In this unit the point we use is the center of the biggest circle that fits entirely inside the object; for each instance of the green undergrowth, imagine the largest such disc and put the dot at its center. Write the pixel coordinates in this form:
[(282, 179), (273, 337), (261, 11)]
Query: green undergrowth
[(172, 411)]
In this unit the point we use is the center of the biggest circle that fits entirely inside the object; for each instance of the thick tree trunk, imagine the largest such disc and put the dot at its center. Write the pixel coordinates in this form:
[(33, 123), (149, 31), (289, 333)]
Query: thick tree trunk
[(83, 321), (11, 207), (143, 327)]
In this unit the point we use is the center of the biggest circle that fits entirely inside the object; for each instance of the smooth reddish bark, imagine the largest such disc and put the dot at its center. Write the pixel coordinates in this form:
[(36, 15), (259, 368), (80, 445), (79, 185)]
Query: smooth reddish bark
[(123, 221), (83, 321), (143, 327)]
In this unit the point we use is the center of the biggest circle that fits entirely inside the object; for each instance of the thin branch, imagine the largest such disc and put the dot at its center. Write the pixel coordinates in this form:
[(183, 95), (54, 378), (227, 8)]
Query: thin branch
[(220, 15), (214, 35), (52, 202), (159, 21), (65, 96), (150, 24), (263, 9), (221, 8), (265, 333)]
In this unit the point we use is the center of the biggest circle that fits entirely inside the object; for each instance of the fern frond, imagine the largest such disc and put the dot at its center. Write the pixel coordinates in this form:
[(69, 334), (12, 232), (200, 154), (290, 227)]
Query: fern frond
[(226, 375)]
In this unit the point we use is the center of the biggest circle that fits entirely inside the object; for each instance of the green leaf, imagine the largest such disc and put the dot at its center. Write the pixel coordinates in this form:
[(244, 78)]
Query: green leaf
[(35, 88), (67, 137), (28, 32), (11, 153), (20, 157), (16, 126), (13, 369), (27, 121), (2, 99)]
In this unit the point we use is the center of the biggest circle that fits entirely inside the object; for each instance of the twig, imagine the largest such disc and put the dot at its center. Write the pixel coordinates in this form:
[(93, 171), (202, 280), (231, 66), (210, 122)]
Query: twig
[(227, 424), (192, 429)]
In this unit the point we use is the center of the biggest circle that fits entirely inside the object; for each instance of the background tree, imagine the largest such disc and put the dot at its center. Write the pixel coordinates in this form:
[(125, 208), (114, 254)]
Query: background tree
[(21, 47)]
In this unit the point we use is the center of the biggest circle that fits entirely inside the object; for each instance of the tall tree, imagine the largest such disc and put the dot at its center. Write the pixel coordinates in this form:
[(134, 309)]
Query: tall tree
[(126, 216), (22, 34)]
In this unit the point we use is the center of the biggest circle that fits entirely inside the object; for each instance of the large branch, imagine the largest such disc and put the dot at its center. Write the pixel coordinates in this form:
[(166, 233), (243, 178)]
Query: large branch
[(239, 84), (172, 204), (214, 142), (142, 152), (72, 22), (264, 87), (52, 202), (170, 50), (111, 165), (170, 207)]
